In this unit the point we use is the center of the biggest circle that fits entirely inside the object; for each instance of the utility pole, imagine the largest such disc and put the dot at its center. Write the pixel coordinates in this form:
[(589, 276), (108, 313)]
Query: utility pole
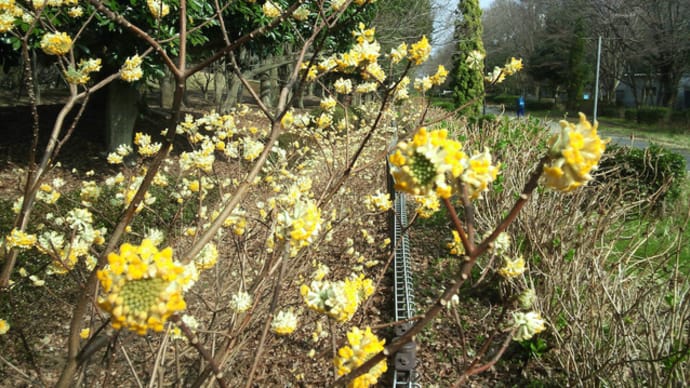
[(596, 82)]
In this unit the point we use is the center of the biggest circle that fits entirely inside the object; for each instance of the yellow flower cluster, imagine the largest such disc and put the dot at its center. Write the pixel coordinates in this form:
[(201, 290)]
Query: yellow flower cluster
[(284, 323), (4, 327), (47, 194), (419, 52), (271, 10), (80, 75), (9, 11), (479, 173), (145, 147), (575, 151), (455, 247), (499, 74), (427, 205), (339, 300), (143, 287), (301, 13), (39, 4), (82, 236), (475, 59), (158, 8), (378, 202), (362, 345), (56, 43), (131, 70), (420, 166), (20, 239), (512, 268), (527, 325)]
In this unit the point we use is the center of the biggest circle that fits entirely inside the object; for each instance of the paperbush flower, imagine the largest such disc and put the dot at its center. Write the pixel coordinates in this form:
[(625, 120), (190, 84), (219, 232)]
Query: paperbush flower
[(301, 13), (75, 12), (270, 10), (56, 43), (207, 258), (496, 76), (475, 59), (158, 8), (19, 239), (241, 302), (143, 287), (455, 247), (427, 205), (398, 53), (527, 325), (512, 268), (575, 151), (420, 166), (343, 86), (378, 202), (512, 66), (284, 323), (6, 21), (479, 173), (339, 300), (419, 52), (362, 345), (131, 70), (527, 298), (4, 326)]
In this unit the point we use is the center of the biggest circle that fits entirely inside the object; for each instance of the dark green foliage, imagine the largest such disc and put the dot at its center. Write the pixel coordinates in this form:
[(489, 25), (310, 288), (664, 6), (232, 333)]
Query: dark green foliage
[(443, 103), (651, 114), (505, 99), (468, 84), (654, 172)]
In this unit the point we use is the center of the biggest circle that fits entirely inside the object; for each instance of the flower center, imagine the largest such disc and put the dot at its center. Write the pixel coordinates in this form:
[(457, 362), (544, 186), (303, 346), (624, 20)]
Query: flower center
[(423, 169), (142, 294)]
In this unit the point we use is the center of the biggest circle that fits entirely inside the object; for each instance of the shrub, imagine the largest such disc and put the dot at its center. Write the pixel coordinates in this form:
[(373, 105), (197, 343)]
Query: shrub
[(651, 114), (630, 114), (509, 100), (654, 172)]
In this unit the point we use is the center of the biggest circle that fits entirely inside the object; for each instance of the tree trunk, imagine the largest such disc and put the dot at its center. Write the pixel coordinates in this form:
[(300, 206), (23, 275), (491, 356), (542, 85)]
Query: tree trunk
[(167, 90), (121, 113)]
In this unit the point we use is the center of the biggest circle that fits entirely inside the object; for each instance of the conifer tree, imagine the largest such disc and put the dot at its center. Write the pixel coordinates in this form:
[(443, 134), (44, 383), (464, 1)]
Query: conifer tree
[(468, 82)]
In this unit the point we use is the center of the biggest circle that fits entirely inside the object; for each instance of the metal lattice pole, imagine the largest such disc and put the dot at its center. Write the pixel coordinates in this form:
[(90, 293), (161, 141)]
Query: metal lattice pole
[(406, 357)]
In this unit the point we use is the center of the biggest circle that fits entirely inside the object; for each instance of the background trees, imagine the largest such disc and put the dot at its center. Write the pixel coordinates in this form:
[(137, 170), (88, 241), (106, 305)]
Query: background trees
[(644, 44)]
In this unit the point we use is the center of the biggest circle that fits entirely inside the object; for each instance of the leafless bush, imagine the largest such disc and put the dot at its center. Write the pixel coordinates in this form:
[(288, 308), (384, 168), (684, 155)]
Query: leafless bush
[(618, 315)]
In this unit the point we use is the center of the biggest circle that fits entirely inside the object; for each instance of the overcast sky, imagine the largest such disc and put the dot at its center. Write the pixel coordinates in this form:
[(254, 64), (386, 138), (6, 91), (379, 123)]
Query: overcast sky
[(443, 28)]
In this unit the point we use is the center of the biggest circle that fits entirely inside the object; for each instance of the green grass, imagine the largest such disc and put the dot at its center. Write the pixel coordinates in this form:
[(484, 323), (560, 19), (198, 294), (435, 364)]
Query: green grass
[(665, 231)]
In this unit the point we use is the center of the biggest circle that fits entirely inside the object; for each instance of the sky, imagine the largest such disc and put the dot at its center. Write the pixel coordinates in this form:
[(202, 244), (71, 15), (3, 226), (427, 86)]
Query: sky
[(443, 28)]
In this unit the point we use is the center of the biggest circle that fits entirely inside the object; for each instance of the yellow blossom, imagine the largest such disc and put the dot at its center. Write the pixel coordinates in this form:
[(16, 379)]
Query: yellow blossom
[(158, 8), (142, 287), (362, 345), (420, 166), (20, 239), (479, 173), (574, 152), (56, 43), (527, 325), (284, 323), (271, 10), (4, 326), (419, 51), (512, 268)]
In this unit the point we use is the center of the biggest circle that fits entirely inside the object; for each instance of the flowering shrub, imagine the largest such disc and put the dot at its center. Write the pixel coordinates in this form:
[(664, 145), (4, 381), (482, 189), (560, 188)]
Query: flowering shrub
[(256, 199)]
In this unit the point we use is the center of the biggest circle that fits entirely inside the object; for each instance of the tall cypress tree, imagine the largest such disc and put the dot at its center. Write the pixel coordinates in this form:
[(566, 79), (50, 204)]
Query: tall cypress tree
[(468, 83)]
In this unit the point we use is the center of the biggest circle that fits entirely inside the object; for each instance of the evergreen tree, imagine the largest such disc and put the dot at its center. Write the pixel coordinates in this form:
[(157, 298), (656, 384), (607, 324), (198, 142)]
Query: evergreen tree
[(468, 82)]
